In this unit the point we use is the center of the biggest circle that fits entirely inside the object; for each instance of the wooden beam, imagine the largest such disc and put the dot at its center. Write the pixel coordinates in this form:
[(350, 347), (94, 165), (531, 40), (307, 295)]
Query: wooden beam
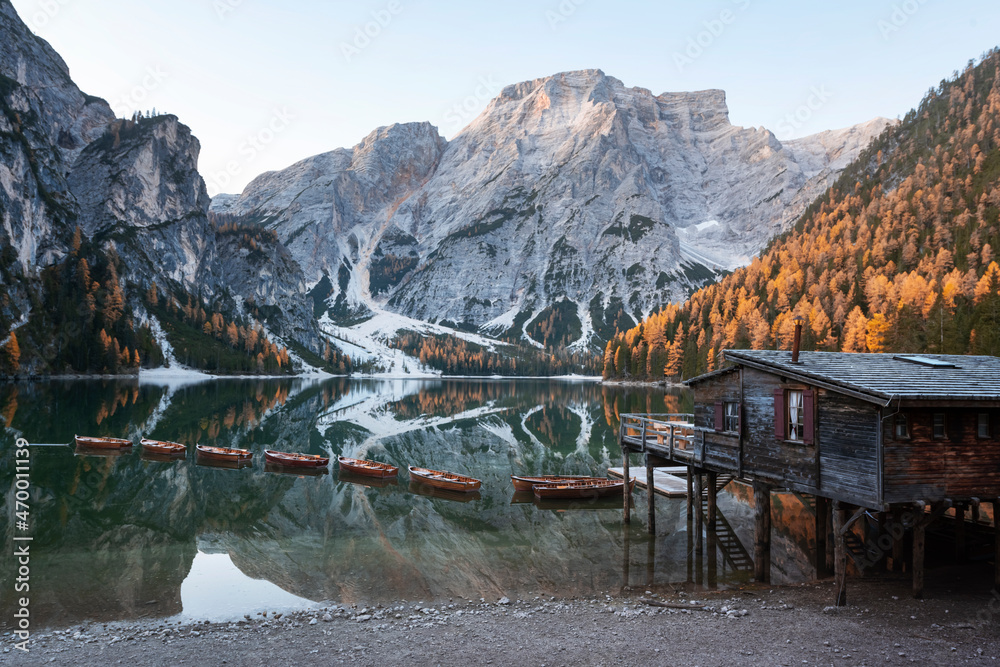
[(690, 482), (919, 535), (857, 515), (628, 492), (762, 532), (650, 497), (840, 554), (996, 549), (699, 516), (960, 532), (713, 499), (822, 515), (898, 543)]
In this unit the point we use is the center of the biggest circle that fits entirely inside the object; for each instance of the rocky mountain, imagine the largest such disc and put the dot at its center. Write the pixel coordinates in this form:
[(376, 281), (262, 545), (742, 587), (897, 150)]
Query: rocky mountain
[(572, 204), (132, 189), (899, 255)]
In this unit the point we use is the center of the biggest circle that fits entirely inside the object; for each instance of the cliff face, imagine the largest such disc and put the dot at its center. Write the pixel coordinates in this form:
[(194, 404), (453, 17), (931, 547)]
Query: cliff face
[(129, 186), (572, 187)]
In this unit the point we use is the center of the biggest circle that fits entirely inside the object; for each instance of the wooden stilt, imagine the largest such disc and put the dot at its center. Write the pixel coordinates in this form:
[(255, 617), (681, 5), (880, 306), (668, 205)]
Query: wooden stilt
[(831, 539), (713, 558), (822, 516), (699, 516), (690, 545), (840, 553), (650, 497), (762, 532), (713, 500), (960, 531), (898, 540), (919, 529), (650, 561), (627, 495), (690, 482), (996, 537), (626, 544)]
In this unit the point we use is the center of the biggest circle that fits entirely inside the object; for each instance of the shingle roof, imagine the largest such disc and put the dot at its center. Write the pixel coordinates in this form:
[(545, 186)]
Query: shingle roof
[(888, 376)]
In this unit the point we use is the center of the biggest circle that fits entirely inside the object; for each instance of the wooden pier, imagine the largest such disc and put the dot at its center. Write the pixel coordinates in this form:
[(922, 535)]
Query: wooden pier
[(665, 480), (878, 447)]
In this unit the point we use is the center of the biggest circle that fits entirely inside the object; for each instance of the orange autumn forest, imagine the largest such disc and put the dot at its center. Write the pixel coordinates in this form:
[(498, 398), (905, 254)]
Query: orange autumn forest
[(899, 255)]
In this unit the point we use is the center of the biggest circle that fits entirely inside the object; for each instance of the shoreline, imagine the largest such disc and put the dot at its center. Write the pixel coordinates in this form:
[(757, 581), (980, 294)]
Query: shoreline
[(752, 625)]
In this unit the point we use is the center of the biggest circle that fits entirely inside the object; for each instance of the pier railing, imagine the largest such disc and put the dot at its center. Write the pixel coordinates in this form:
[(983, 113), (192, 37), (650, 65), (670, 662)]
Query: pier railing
[(675, 437)]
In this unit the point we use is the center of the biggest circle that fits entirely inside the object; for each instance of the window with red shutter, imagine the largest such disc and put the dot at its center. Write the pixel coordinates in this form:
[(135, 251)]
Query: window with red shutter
[(720, 416)]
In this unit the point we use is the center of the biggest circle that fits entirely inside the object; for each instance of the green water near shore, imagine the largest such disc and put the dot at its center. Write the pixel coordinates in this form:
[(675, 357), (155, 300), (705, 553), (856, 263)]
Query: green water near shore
[(123, 537)]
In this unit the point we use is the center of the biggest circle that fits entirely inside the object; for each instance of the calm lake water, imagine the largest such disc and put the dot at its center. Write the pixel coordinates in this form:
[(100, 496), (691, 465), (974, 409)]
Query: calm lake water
[(122, 537)]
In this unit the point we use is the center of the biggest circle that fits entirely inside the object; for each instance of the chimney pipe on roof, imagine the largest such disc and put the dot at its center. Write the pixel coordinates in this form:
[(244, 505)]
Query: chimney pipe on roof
[(797, 341)]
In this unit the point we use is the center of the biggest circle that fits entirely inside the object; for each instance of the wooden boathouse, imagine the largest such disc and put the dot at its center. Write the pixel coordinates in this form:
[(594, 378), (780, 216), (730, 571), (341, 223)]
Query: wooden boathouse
[(884, 440)]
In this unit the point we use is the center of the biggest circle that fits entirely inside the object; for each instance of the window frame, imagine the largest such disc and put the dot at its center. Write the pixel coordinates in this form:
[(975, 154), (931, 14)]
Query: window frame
[(980, 423), (901, 419), (731, 419), (944, 426), (800, 413)]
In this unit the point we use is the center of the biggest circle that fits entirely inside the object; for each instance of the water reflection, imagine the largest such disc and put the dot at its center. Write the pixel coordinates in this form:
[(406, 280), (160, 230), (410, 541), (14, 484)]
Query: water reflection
[(140, 528)]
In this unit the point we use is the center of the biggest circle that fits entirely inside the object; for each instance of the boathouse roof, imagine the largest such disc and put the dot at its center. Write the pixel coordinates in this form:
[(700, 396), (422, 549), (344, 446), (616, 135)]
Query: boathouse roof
[(882, 378)]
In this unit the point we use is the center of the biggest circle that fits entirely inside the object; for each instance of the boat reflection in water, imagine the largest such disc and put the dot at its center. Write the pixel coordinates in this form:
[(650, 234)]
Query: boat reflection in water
[(294, 472), (365, 480), (422, 489)]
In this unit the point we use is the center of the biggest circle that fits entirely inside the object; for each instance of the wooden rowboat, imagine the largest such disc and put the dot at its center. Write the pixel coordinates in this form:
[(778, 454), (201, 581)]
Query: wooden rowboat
[(367, 468), (101, 443), (596, 489), (447, 481), (223, 453), (290, 460), (524, 482), (162, 448)]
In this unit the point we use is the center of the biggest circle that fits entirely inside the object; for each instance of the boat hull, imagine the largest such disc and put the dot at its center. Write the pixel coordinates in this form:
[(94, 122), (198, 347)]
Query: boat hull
[(101, 443), (306, 461), (223, 454), (161, 448), (526, 482), (367, 468), (445, 481)]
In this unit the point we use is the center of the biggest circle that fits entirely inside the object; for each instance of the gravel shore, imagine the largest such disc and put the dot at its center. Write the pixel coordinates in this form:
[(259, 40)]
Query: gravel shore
[(753, 626)]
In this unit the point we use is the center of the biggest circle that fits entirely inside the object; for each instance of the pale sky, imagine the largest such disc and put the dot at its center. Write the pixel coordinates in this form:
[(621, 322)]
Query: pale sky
[(265, 83)]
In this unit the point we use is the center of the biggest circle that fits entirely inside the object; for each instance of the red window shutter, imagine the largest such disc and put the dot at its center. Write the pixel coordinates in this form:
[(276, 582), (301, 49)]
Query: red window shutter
[(779, 414), (720, 416), (808, 414)]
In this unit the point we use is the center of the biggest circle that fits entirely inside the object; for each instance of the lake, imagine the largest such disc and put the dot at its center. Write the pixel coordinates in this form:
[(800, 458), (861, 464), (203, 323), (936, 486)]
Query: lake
[(122, 537)]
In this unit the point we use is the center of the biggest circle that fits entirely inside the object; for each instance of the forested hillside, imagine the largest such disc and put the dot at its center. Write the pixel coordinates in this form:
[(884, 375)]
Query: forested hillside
[(899, 255)]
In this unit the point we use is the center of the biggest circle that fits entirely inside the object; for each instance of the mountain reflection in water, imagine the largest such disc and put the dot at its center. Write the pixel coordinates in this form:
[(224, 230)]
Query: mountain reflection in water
[(116, 537)]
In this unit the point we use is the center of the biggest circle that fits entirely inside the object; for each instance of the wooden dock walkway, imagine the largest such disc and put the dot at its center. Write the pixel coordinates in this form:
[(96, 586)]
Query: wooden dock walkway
[(665, 480)]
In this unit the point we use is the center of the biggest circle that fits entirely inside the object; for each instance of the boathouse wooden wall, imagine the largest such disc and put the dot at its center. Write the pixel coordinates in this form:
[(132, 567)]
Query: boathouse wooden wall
[(842, 463), (960, 465)]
